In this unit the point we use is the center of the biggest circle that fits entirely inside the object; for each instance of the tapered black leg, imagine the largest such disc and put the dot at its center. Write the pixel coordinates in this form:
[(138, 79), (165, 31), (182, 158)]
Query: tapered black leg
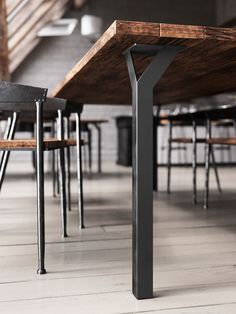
[(40, 188), (142, 143)]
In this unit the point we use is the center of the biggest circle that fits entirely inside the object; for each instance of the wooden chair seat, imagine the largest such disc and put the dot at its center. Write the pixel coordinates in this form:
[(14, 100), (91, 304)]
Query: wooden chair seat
[(222, 141), (186, 140), (30, 144)]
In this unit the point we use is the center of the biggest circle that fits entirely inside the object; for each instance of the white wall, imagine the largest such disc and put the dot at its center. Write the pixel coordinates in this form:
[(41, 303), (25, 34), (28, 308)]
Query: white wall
[(226, 10)]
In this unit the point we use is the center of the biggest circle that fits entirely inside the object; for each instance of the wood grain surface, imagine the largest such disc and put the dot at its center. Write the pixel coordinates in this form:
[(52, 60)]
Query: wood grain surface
[(203, 68), (4, 62), (222, 141), (30, 144)]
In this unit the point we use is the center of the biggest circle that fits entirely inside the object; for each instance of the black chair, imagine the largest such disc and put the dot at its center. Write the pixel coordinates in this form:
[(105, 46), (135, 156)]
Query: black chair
[(17, 98)]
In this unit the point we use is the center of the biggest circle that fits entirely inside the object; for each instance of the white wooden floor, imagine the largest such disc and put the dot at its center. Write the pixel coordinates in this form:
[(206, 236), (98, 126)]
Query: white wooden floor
[(90, 272)]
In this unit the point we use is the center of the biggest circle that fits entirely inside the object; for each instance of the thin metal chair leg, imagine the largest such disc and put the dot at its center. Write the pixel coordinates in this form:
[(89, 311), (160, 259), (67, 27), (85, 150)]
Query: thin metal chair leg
[(194, 164), (53, 174), (62, 177), (57, 172), (53, 165), (79, 172), (68, 166), (207, 166), (169, 157), (215, 169), (33, 152), (99, 132), (90, 150), (156, 133), (6, 135), (68, 178), (40, 188), (85, 158), (6, 154)]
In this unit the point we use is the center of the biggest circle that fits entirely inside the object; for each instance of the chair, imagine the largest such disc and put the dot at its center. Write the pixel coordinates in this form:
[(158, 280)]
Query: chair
[(229, 141), (184, 120), (20, 98)]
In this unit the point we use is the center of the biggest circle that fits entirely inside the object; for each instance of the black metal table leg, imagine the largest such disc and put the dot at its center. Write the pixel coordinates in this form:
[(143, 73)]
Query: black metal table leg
[(79, 172), (40, 188), (142, 89), (99, 147)]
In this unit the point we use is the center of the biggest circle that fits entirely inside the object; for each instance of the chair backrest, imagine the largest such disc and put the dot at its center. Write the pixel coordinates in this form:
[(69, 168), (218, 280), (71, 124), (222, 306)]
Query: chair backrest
[(15, 93)]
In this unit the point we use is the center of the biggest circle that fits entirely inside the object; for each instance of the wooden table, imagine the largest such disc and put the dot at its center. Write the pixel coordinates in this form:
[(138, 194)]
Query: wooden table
[(186, 62)]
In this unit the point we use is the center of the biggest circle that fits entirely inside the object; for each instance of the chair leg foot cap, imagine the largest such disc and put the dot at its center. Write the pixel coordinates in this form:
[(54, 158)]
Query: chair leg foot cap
[(41, 271)]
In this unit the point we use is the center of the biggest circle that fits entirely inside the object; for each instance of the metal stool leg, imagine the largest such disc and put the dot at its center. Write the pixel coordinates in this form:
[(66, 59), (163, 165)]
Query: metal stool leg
[(40, 188), (169, 157), (79, 172)]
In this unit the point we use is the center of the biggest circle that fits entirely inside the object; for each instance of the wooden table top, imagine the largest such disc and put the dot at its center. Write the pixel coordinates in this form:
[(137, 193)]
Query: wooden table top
[(207, 66)]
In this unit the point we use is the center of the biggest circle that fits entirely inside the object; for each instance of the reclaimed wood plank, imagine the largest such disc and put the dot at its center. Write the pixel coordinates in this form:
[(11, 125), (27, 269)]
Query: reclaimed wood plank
[(4, 62), (31, 144), (201, 69)]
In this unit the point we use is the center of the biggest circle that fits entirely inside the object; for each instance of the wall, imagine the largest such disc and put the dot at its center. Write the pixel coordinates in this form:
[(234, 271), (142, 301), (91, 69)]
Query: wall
[(54, 57), (200, 12), (226, 10)]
